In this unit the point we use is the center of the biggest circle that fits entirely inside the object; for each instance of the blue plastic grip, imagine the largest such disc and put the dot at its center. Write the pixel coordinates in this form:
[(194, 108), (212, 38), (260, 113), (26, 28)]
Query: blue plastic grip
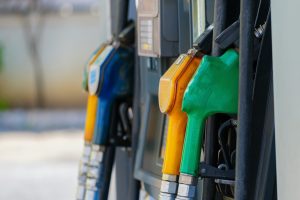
[(116, 81)]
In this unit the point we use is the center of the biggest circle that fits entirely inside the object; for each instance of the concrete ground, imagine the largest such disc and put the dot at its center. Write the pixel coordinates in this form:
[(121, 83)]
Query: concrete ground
[(39, 166), (39, 155), (40, 152)]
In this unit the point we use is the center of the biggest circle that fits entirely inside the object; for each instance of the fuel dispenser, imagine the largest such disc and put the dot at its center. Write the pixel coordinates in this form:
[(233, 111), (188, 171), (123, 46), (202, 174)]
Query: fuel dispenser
[(165, 30), (213, 89), (185, 102), (108, 78), (109, 85), (111, 79)]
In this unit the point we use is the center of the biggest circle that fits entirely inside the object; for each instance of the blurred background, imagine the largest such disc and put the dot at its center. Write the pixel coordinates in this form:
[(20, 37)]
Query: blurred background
[(44, 45)]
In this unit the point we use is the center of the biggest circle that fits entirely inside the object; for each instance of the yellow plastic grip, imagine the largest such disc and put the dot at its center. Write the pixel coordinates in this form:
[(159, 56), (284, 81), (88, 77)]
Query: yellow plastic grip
[(90, 119), (171, 89)]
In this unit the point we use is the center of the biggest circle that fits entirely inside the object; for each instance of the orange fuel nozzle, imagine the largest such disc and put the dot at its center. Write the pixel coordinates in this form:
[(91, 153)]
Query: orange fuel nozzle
[(172, 86)]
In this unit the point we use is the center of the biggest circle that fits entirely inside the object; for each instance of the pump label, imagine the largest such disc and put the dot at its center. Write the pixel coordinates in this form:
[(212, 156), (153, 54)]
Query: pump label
[(180, 59), (94, 73)]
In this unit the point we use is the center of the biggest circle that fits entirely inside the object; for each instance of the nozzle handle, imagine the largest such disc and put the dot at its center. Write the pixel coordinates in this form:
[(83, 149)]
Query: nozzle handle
[(175, 139), (103, 119), (192, 145)]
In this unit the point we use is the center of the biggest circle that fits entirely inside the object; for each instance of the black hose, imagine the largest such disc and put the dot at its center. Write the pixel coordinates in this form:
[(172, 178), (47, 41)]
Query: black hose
[(134, 184), (119, 16), (220, 12), (222, 135), (106, 171), (245, 99), (210, 140)]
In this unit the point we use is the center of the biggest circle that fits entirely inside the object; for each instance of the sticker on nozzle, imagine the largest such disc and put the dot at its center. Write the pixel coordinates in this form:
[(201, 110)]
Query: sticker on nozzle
[(94, 72), (180, 59)]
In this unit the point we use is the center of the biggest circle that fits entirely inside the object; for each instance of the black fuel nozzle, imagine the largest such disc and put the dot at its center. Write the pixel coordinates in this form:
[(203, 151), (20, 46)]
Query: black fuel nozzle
[(204, 42), (230, 36), (126, 37)]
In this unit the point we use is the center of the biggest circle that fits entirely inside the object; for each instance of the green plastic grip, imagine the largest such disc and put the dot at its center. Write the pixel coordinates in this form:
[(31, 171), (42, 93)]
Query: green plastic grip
[(213, 89)]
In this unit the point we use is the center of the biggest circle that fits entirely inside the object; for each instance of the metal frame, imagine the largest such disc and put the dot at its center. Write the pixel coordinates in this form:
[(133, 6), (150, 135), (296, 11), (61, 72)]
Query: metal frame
[(151, 70)]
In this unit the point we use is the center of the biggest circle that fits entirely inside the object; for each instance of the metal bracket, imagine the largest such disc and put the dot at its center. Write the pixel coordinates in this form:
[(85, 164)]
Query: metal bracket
[(122, 138), (208, 171)]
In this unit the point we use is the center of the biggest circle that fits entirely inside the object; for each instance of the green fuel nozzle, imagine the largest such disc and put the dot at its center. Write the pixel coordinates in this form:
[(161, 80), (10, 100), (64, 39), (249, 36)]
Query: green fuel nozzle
[(213, 89)]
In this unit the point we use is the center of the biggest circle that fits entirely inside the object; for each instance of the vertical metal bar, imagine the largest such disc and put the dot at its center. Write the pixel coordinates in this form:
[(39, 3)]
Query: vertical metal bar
[(108, 161), (119, 15), (184, 26), (245, 100), (210, 141), (134, 186), (220, 12)]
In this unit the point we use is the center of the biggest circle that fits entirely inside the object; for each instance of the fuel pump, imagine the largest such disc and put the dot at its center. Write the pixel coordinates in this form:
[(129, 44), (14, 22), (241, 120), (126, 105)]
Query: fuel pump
[(171, 89), (213, 89), (111, 79), (166, 29)]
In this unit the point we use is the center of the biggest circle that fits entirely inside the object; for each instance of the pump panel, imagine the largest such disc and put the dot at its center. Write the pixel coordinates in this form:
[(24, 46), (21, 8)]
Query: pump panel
[(158, 28)]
